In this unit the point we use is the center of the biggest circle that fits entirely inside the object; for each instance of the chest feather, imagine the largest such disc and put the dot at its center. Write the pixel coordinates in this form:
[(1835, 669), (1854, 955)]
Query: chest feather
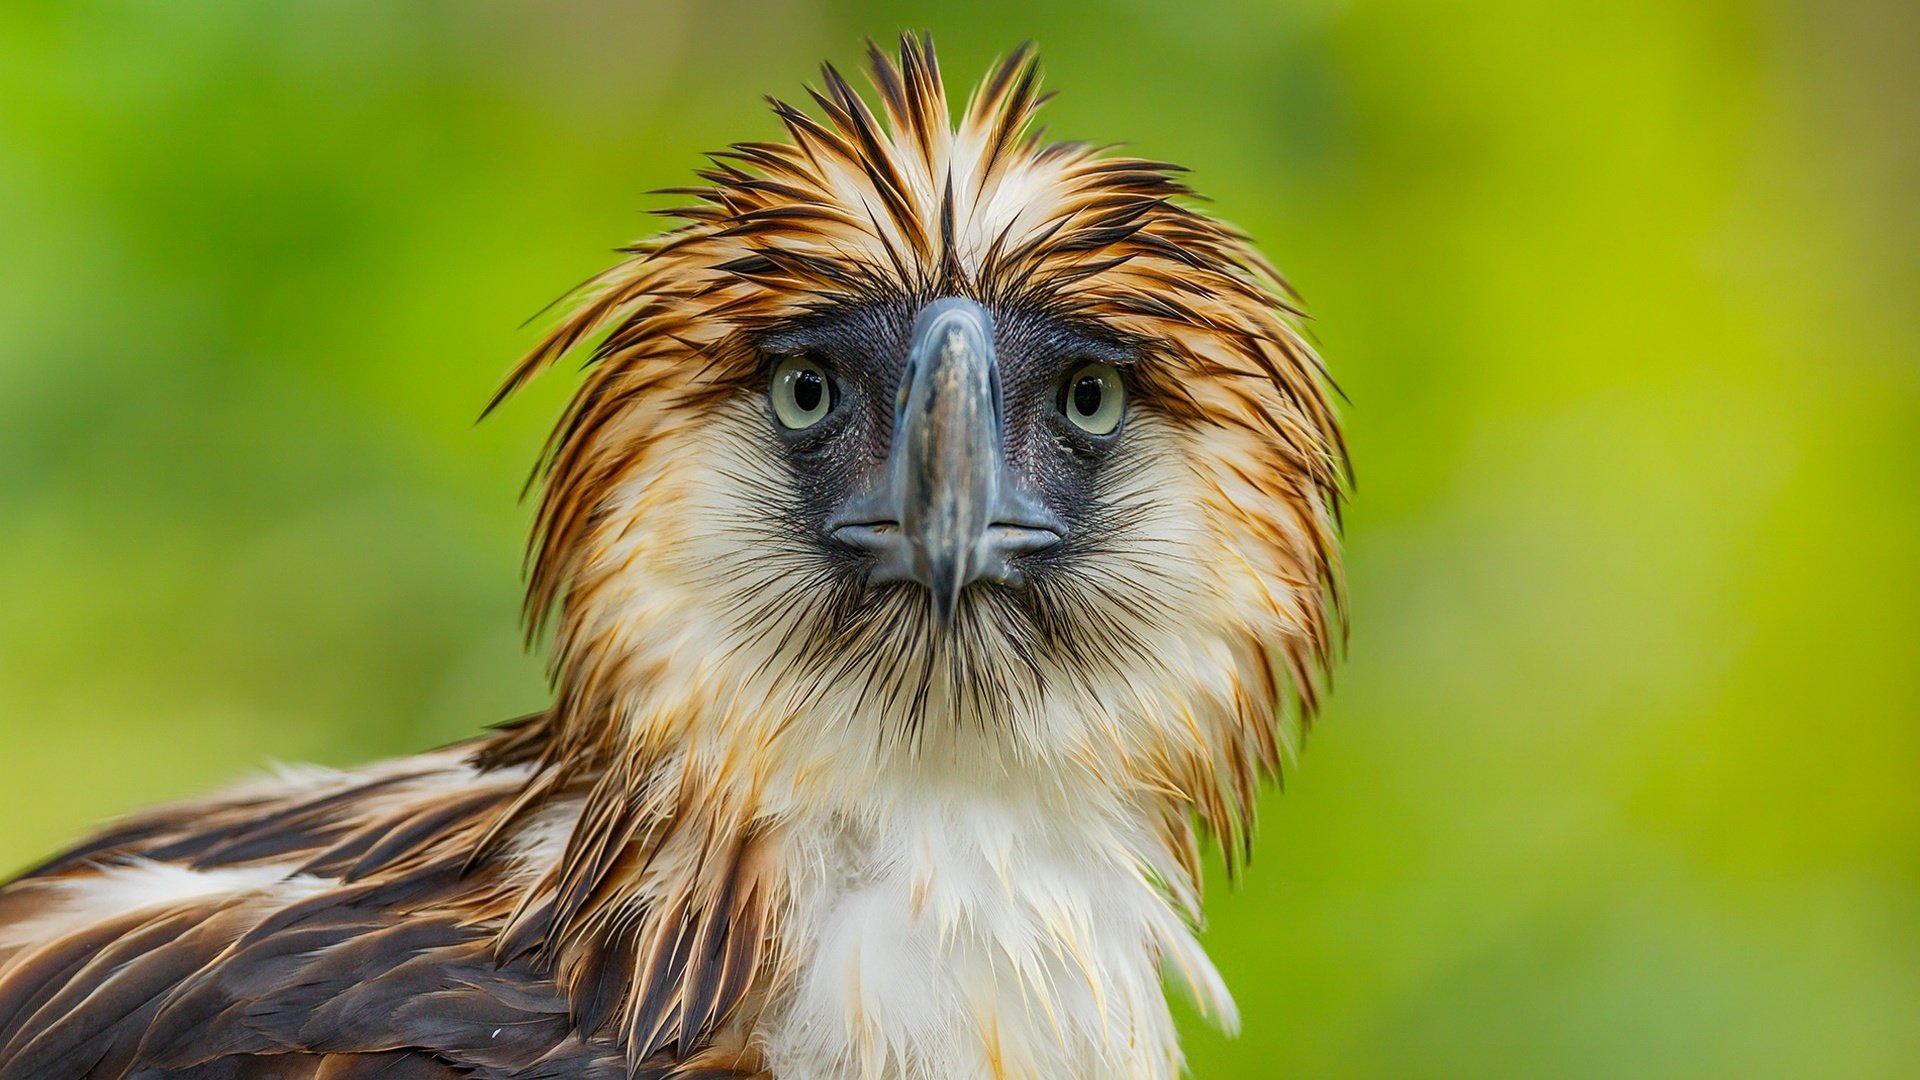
[(962, 937)]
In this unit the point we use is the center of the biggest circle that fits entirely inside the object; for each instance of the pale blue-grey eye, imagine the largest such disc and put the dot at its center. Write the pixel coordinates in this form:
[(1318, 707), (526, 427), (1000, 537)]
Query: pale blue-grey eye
[(1094, 398), (802, 393)]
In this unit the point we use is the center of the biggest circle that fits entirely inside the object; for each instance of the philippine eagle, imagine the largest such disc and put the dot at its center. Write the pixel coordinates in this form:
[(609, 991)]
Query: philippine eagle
[(944, 527)]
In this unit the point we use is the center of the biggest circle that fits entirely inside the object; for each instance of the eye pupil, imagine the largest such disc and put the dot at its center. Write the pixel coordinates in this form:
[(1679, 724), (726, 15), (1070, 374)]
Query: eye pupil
[(1094, 399), (808, 389), (802, 393), (1088, 393)]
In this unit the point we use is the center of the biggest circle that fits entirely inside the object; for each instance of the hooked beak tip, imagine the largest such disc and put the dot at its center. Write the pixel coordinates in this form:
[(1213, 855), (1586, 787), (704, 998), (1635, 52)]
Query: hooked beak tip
[(945, 580), (945, 603)]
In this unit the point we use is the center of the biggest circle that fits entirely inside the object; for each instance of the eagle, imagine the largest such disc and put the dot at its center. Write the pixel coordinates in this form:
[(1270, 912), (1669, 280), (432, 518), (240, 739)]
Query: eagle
[(940, 550)]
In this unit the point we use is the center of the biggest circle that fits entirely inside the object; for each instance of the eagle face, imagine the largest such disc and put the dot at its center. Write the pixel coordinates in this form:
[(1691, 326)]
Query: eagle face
[(925, 458), (952, 493)]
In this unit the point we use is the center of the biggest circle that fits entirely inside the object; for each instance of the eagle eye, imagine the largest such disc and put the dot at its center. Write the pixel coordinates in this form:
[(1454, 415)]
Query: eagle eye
[(802, 392), (1094, 398)]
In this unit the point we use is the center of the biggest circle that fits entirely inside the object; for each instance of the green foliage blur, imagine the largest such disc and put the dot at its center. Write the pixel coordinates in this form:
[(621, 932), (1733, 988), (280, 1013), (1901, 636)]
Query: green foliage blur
[(1619, 778)]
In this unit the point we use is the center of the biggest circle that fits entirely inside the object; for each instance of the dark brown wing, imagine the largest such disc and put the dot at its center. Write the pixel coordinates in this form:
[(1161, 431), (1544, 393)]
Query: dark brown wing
[(394, 1065), (354, 941), (349, 971)]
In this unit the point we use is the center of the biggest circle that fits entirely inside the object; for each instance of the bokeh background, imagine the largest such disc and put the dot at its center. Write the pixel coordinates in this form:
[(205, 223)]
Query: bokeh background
[(1619, 778)]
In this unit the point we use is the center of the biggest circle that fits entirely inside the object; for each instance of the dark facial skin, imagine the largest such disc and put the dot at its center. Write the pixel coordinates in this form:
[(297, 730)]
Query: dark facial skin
[(864, 348)]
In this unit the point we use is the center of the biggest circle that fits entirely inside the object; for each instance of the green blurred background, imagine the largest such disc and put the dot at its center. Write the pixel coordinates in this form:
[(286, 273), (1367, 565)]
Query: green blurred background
[(1619, 778)]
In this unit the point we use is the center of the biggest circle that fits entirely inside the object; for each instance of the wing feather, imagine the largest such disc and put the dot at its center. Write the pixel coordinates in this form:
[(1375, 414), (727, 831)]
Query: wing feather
[(346, 931)]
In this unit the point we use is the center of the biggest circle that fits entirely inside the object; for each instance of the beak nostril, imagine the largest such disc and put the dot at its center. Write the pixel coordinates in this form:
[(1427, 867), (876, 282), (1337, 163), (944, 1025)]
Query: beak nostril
[(1021, 539)]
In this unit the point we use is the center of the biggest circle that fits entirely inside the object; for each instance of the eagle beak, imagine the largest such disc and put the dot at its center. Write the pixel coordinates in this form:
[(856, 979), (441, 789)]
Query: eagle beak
[(949, 512)]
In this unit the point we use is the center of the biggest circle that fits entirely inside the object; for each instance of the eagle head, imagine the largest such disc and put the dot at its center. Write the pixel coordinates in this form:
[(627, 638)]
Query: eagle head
[(928, 445)]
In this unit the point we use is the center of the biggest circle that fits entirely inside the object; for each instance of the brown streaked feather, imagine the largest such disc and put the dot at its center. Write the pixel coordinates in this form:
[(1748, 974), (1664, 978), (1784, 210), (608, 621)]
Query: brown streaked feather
[(387, 967)]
